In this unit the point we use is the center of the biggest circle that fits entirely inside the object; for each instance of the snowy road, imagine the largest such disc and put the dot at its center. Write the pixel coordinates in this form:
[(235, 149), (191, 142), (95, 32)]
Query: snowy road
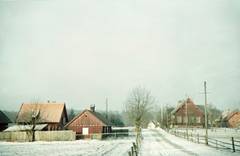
[(157, 142)]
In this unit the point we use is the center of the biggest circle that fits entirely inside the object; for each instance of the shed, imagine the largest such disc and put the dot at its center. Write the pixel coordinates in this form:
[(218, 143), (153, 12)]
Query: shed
[(89, 124)]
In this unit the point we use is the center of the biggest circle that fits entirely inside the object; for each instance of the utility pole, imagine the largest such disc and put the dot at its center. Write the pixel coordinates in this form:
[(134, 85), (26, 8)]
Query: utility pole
[(162, 115), (186, 102), (107, 108), (206, 116), (167, 115)]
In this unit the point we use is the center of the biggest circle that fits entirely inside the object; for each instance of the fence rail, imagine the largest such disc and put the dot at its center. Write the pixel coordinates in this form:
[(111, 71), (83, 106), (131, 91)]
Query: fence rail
[(106, 135), (233, 144), (24, 136)]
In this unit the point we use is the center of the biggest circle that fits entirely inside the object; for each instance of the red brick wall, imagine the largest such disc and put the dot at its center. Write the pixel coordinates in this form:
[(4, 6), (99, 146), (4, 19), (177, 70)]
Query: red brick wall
[(234, 121), (86, 120), (192, 111)]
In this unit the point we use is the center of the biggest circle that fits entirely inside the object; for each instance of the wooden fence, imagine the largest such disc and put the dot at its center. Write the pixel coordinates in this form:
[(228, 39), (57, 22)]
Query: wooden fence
[(134, 151), (55, 135), (233, 144), (39, 136), (106, 135)]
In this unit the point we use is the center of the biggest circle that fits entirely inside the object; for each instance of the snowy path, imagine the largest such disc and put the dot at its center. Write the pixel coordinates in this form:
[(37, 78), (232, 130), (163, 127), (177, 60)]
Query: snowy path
[(118, 147), (157, 142)]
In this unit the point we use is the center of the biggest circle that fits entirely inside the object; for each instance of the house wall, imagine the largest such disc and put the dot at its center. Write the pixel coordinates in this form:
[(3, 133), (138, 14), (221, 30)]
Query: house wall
[(86, 120), (54, 126), (234, 121), (194, 114)]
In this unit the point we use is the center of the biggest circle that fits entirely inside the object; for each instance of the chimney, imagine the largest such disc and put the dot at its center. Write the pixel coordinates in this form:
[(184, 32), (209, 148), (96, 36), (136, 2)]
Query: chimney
[(92, 108)]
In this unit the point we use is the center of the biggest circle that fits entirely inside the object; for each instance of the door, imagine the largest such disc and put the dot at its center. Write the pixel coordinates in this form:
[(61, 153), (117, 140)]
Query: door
[(85, 131)]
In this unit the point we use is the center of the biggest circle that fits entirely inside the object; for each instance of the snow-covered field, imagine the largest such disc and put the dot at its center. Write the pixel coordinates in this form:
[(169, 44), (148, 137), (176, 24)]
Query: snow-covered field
[(108, 147), (222, 134), (158, 142), (214, 132)]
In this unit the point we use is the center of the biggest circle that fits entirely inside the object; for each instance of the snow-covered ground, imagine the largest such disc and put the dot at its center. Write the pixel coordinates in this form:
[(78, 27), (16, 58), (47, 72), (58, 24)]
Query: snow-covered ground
[(155, 142), (110, 147), (158, 142), (214, 132), (222, 134)]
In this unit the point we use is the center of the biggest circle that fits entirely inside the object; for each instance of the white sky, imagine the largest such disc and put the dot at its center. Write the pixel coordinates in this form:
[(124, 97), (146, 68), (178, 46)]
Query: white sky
[(82, 51)]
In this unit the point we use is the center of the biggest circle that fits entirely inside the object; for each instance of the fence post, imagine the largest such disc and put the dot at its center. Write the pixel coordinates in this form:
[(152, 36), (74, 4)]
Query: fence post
[(192, 137), (135, 149), (198, 138), (233, 146), (129, 153)]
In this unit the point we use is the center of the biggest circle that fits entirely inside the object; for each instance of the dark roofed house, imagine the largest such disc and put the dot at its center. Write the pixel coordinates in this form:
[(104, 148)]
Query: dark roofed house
[(51, 113), (188, 112), (4, 121), (89, 124)]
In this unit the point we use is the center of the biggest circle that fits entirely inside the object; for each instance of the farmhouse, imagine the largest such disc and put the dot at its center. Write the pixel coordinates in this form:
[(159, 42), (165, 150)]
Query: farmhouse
[(188, 113), (4, 121), (51, 114), (231, 120), (89, 124)]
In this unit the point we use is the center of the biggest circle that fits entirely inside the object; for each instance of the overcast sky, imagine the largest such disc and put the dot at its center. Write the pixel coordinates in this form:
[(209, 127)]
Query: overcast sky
[(82, 51)]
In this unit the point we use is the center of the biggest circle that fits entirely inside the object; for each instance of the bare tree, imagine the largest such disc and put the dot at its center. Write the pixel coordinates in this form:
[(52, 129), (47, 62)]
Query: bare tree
[(164, 116), (30, 118), (138, 106)]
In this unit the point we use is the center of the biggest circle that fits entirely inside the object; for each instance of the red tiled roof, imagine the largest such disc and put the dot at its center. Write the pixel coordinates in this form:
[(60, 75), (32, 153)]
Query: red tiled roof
[(48, 112), (188, 101), (229, 115)]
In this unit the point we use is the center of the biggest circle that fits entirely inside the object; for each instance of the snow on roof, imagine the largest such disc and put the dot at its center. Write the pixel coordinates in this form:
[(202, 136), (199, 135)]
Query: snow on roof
[(38, 127)]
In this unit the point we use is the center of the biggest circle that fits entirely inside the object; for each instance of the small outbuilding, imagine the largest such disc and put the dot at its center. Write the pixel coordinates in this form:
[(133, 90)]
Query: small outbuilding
[(4, 121), (89, 124)]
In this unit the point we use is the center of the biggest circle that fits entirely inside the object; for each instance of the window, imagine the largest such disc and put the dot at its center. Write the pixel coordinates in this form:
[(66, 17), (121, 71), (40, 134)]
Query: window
[(179, 119), (198, 119), (185, 119)]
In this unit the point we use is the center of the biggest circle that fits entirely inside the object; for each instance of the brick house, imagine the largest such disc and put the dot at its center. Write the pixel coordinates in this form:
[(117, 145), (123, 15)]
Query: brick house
[(231, 120), (89, 124), (4, 121), (188, 113), (52, 114)]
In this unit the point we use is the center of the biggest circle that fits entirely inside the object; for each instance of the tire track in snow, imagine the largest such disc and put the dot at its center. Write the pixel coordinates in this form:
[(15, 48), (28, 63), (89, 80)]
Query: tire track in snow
[(110, 150), (152, 147), (174, 144)]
